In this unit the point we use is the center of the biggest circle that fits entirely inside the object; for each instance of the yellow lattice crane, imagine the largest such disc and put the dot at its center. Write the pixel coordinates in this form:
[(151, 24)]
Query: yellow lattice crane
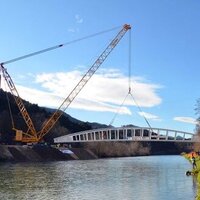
[(31, 135)]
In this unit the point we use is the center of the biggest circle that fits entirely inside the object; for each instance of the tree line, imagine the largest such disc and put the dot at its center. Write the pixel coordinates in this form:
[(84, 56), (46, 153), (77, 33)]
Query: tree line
[(9, 110)]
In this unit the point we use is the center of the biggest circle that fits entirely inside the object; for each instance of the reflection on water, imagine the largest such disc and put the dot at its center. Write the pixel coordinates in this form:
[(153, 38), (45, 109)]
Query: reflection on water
[(133, 178)]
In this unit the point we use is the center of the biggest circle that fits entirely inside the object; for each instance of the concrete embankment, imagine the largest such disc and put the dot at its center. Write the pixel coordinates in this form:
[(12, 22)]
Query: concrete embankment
[(17, 153), (23, 153), (168, 148), (138, 148)]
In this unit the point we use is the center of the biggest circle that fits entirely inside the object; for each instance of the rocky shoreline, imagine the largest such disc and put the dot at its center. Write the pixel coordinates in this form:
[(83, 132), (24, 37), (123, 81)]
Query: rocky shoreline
[(38, 153), (41, 152)]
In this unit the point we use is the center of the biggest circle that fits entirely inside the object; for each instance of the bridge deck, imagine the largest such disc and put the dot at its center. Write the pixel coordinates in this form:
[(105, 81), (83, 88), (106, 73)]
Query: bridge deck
[(127, 134)]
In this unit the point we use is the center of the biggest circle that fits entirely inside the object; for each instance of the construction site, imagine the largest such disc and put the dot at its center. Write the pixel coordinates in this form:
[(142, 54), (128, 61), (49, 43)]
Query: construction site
[(32, 140), (35, 142)]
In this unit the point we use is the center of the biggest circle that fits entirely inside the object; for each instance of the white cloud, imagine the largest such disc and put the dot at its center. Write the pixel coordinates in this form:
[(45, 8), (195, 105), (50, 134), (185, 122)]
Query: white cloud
[(149, 116), (105, 91), (41, 98), (98, 106), (72, 30), (189, 120), (78, 19), (50, 100)]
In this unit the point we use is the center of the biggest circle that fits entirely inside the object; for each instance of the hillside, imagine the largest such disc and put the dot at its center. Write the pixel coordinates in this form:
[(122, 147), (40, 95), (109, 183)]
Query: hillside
[(65, 125)]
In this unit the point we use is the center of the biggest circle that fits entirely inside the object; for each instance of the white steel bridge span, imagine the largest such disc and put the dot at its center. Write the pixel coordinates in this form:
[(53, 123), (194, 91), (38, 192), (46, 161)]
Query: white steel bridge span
[(127, 134)]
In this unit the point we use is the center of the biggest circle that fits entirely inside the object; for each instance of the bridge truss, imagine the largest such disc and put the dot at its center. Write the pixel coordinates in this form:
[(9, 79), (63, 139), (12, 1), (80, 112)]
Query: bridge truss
[(127, 134)]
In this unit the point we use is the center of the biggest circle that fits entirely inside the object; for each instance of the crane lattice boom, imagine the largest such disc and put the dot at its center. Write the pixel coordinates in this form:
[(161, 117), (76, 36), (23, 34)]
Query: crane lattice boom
[(50, 123), (31, 132), (32, 135)]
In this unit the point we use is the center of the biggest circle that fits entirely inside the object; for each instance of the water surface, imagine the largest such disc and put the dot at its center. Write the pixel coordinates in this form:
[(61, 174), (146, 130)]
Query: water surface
[(132, 178)]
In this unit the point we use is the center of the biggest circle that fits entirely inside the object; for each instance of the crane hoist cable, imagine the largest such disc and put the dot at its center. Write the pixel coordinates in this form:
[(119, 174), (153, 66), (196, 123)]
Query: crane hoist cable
[(130, 92), (56, 46), (141, 112), (129, 89), (118, 110), (129, 82), (129, 63)]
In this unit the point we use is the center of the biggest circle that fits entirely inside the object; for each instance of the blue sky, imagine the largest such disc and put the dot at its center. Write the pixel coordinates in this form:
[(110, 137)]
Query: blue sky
[(165, 61)]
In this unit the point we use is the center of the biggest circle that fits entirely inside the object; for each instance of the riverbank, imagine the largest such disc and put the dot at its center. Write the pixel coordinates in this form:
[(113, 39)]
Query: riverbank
[(195, 171), (141, 148), (38, 153), (88, 151)]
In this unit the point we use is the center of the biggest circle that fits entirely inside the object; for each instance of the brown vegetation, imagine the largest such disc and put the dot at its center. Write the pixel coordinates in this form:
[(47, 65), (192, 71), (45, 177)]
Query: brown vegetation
[(117, 149), (197, 111)]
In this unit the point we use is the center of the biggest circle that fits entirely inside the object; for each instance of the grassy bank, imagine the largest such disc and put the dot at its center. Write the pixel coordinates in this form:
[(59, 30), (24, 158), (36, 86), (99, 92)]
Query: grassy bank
[(195, 171)]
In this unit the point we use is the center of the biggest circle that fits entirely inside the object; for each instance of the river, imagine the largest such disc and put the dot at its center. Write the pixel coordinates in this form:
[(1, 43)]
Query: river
[(130, 178)]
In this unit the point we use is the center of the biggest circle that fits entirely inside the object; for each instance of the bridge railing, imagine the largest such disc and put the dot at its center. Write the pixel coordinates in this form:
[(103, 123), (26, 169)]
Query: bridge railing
[(127, 134)]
